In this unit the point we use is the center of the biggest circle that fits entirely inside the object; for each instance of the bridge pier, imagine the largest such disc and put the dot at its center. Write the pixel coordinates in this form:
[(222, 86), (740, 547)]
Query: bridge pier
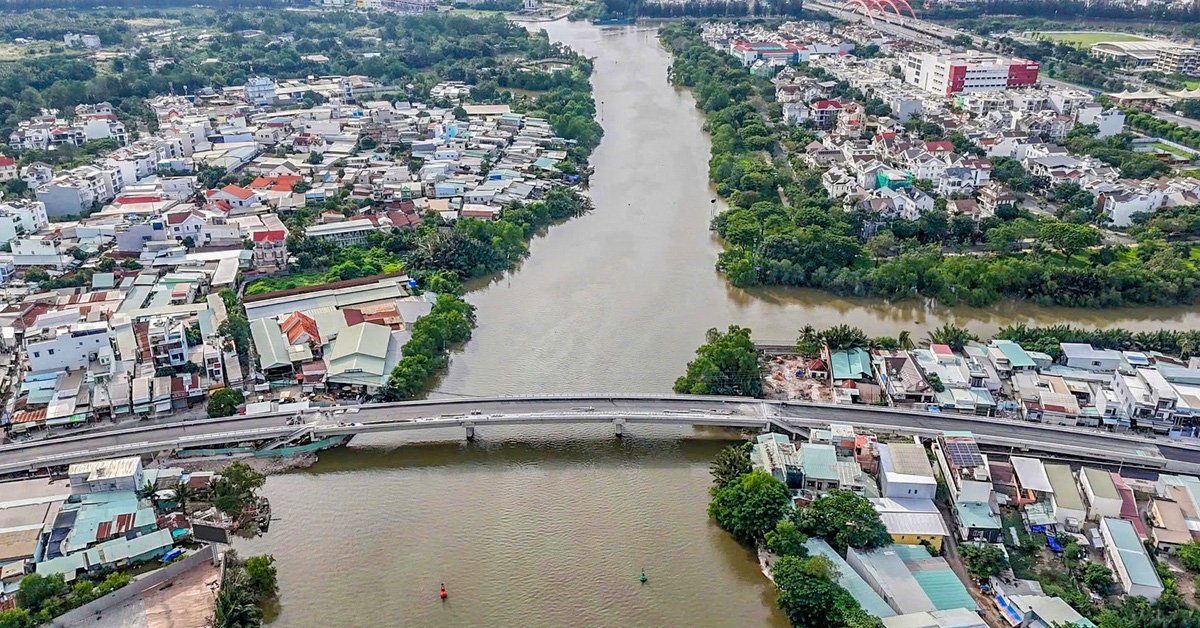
[(619, 425), (470, 431)]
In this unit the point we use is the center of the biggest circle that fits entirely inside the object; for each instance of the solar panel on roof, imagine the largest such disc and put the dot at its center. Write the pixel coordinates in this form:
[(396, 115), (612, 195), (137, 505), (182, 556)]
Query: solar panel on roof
[(964, 454)]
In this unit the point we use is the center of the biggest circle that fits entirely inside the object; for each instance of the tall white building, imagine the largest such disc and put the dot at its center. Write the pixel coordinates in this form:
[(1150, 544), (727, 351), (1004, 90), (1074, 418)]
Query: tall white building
[(260, 90), (946, 74)]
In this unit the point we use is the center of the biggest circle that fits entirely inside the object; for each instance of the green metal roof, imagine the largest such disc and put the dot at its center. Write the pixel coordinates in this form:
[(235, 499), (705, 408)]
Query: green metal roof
[(944, 589), (1017, 356), (819, 462), (851, 364)]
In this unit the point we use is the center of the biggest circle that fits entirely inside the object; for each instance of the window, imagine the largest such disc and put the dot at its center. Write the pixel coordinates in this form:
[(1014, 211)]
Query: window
[(50, 352), (37, 354)]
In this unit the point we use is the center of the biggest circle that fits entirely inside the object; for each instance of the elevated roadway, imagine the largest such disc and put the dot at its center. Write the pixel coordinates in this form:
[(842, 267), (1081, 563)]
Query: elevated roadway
[(470, 415)]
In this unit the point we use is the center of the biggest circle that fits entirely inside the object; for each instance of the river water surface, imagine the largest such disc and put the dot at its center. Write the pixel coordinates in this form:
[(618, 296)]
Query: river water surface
[(552, 529)]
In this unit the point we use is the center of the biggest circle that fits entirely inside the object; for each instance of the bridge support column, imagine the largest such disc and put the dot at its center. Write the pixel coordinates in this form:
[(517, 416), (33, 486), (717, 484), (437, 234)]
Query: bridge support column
[(619, 425), (470, 431)]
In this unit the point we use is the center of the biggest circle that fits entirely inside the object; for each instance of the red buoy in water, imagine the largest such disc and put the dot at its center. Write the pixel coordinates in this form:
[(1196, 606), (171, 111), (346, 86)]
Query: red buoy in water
[(443, 593)]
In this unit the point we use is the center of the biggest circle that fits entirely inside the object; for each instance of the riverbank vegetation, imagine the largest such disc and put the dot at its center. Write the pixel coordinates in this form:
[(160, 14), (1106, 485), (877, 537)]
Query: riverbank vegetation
[(726, 364), (246, 588), (757, 509), (804, 238)]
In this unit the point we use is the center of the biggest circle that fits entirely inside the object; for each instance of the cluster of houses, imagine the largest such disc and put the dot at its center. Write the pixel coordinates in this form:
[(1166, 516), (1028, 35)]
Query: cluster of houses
[(1117, 521), (1085, 386), (105, 515), (870, 161), (143, 339)]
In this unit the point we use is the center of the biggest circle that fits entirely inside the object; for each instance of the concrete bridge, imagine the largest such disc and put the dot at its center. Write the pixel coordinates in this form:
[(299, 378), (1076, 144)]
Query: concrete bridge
[(475, 416)]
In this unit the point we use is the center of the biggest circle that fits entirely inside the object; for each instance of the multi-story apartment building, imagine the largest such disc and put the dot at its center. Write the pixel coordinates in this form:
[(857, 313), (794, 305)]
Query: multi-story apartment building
[(77, 190), (270, 245), (260, 90), (952, 73), (20, 218), (167, 341)]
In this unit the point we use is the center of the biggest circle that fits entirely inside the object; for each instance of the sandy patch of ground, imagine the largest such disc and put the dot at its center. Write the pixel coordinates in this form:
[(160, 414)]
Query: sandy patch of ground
[(187, 602), (785, 380)]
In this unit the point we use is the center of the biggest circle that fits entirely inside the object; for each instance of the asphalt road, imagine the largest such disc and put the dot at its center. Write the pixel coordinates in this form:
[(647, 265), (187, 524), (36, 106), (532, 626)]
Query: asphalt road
[(1068, 441)]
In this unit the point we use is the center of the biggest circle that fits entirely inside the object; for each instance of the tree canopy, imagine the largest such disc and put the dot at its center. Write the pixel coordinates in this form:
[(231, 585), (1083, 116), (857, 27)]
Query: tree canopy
[(751, 505), (727, 364)]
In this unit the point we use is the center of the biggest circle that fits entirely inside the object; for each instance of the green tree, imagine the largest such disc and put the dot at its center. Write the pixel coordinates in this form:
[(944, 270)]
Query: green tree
[(1069, 238), (953, 335), (787, 540), (1098, 577), (230, 298), (727, 364), (444, 281), (224, 402), (17, 618), (261, 576), (731, 463), (106, 265), (750, 506), (810, 598), (237, 329), (843, 337), (184, 495), (36, 590), (36, 274), (844, 520), (236, 487), (984, 560), (1189, 555), (236, 608)]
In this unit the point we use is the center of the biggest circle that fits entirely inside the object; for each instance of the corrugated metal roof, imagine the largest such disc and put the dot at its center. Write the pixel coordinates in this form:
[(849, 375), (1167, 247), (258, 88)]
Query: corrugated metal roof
[(1131, 552), (270, 343), (853, 583)]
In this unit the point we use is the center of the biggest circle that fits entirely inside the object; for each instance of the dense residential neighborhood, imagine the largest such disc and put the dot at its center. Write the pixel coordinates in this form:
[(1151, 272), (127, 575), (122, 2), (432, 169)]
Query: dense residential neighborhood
[(244, 249), (144, 336)]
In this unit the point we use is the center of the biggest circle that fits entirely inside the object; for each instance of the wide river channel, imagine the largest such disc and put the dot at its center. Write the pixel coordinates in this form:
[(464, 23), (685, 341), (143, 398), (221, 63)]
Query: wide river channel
[(552, 529)]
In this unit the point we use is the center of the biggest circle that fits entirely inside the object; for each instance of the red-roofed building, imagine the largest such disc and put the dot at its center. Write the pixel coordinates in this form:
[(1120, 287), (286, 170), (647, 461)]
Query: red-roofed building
[(825, 112), (270, 245), (184, 224), (275, 183), (750, 51), (236, 196), (300, 329), (8, 168), (941, 147)]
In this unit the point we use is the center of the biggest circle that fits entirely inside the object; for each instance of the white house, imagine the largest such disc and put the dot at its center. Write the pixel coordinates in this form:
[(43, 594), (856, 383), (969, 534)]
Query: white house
[(1123, 550), (1101, 493)]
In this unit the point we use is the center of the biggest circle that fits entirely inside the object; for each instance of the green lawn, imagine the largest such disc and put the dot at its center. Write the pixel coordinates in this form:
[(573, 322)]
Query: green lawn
[(1083, 39), (1171, 149), (1192, 84), (262, 286)]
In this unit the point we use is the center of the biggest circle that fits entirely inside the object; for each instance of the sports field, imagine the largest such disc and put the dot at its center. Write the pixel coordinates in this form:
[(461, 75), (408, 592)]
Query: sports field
[(1082, 39)]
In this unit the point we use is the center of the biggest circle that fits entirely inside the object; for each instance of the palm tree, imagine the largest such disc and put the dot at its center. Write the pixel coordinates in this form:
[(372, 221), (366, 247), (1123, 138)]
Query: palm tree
[(184, 494), (809, 341), (842, 337), (235, 607), (904, 340), (953, 335), (147, 491), (730, 464)]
